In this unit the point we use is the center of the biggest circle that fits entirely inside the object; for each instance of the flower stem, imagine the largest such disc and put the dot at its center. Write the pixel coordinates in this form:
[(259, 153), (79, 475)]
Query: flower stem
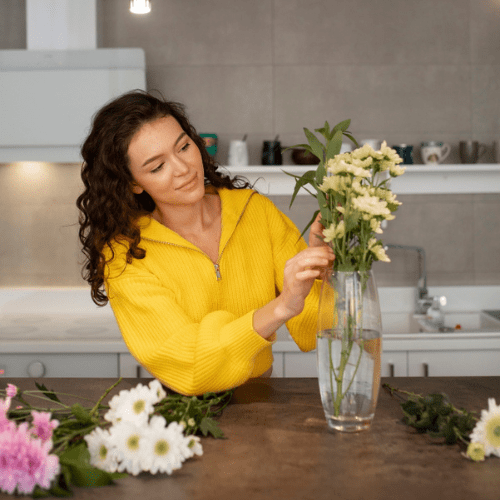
[(95, 409)]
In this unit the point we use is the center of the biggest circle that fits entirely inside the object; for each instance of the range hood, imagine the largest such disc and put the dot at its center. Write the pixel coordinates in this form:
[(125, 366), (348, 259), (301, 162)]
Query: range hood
[(48, 95)]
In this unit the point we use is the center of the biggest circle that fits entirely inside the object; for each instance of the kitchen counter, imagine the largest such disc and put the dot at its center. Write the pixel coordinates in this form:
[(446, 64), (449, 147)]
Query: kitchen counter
[(278, 446)]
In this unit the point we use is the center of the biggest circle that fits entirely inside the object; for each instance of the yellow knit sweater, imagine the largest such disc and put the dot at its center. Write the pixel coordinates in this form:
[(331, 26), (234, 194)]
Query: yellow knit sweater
[(188, 322)]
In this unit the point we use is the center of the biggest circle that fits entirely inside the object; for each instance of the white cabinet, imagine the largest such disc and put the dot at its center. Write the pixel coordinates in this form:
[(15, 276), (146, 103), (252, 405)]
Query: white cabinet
[(454, 363), (300, 364), (87, 365), (303, 364), (129, 368), (413, 355), (394, 364)]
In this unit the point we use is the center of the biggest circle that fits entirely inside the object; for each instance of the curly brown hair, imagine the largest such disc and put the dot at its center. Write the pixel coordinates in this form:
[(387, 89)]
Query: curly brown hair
[(108, 207)]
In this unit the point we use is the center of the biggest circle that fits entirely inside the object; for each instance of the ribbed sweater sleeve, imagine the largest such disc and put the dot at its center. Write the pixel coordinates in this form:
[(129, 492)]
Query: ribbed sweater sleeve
[(287, 242), (191, 358)]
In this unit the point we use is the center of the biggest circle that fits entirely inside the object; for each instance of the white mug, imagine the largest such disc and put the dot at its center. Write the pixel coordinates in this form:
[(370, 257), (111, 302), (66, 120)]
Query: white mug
[(434, 152), (238, 154)]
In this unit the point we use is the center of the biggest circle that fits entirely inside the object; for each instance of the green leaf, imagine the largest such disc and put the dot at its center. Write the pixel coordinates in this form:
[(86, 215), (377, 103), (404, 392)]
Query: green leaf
[(89, 477), (317, 148), (75, 455), (324, 131), (47, 393), (209, 426), (309, 224), (307, 178), (77, 462), (351, 221), (320, 173), (81, 414), (334, 146), (300, 146), (354, 141), (341, 126)]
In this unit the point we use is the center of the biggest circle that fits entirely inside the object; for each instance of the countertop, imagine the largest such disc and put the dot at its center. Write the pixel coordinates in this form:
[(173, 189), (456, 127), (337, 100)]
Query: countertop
[(278, 446)]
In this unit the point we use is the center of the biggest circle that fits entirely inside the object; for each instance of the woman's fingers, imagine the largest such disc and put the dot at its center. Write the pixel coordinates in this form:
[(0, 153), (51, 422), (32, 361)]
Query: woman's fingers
[(316, 233), (308, 274)]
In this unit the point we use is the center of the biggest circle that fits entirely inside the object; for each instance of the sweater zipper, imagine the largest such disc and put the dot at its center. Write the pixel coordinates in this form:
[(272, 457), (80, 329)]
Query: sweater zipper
[(216, 265)]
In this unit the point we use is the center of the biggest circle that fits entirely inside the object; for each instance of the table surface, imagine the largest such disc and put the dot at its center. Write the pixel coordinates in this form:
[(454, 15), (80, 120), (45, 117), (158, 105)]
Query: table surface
[(278, 446)]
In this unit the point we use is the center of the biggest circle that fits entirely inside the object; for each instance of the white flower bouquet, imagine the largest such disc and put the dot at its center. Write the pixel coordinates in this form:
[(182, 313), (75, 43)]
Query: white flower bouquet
[(47, 451)]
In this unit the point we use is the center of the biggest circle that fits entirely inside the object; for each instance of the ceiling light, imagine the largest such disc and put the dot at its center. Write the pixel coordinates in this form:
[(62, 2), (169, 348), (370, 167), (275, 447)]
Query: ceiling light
[(140, 6)]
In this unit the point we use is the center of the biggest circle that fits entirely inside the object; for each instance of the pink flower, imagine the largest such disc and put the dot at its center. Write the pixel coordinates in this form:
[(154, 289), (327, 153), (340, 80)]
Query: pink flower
[(42, 425), (5, 423), (25, 461), (11, 391)]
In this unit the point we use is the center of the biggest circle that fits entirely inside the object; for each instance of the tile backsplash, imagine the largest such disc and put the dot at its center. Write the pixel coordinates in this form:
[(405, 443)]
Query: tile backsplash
[(405, 72)]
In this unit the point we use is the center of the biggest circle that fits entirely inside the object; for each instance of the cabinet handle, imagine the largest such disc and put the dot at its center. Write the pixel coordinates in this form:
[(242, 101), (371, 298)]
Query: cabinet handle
[(36, 369), (138, 371), (391, 370), (426, 369)]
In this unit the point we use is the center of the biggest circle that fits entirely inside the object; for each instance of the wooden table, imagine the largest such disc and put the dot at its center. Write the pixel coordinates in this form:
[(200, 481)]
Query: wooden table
[(278, 446)]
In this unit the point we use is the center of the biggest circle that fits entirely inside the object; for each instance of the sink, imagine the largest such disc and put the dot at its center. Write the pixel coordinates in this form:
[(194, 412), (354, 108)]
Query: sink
[(456, 322), (399, 323)]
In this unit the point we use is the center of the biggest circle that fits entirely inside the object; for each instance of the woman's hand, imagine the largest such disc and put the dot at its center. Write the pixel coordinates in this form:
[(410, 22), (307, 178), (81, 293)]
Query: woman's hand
[(300, 273), (316, 233)]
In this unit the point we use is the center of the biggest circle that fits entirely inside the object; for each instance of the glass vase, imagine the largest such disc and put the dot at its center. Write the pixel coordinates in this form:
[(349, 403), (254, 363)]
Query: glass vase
[(349, 349)]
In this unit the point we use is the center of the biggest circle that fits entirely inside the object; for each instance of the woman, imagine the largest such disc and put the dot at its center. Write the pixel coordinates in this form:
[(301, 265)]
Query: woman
[(200, 271)]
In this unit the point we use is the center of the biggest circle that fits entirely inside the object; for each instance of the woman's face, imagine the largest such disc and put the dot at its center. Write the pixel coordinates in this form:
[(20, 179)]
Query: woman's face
[(166, 163)]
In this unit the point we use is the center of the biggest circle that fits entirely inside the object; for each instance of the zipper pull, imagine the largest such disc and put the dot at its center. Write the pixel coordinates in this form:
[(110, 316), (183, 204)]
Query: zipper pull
[(217, 272)]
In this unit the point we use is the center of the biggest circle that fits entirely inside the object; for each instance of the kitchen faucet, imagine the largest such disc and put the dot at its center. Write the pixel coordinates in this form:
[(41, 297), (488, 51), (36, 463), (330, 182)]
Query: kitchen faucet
[(422, 300)]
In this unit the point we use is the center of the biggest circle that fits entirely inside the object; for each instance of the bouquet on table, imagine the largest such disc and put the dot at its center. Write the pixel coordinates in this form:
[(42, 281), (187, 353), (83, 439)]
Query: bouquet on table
[(44, 453), (354, 199)]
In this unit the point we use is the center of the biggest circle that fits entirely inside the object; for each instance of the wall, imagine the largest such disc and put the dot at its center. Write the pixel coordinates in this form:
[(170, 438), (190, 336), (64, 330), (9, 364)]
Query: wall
[(402, 71)]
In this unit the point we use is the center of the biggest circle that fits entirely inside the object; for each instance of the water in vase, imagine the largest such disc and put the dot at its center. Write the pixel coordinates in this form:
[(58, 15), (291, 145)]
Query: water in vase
[(349, 378)]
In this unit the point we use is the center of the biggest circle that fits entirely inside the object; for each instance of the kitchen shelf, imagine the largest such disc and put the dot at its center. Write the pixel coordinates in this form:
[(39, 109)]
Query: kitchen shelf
[(418, 179)]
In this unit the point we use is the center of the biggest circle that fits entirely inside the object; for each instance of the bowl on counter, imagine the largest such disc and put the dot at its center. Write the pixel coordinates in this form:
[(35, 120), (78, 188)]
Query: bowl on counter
[(302, 157)]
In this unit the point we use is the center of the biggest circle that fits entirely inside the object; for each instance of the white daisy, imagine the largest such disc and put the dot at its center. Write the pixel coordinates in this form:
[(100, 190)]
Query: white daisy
[(157, 390), (130, 441), (134, 405), (163, 446), (487, 430), (103, 454), (191, 446)]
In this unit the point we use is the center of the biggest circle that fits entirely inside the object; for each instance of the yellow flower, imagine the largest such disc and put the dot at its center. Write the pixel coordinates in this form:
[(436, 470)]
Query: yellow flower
[(375, 226), (338, 166), (487, 430), (475, 451), (365, 152), (332, 232), (376, 248), (390, 153), (336, 183), (396, 170), (360, 189), (371, 206)]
